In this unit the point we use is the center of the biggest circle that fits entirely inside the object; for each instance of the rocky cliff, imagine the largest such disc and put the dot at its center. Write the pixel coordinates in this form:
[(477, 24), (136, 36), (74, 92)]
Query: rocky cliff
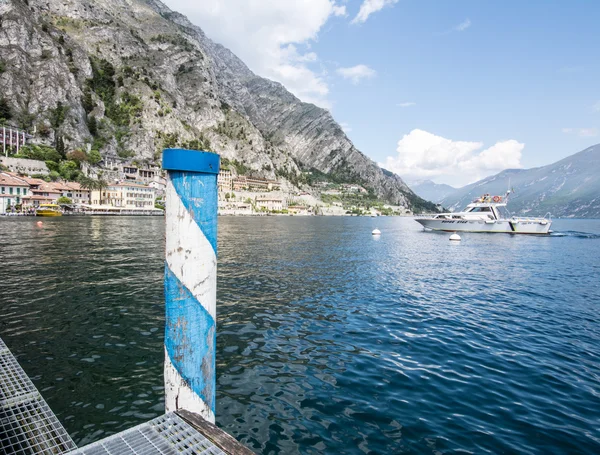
[(130, 77)]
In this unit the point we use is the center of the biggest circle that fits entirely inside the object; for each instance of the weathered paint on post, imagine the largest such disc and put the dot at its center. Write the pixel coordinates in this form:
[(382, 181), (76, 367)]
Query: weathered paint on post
[(191, 280)]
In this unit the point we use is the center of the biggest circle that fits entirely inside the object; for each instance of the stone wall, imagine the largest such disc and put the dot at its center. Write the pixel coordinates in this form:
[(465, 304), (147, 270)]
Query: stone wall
[(24, 166)]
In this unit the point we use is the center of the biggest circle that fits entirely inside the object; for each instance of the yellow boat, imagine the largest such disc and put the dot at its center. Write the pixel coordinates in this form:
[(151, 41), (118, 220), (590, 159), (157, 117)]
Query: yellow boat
[(48, 210)]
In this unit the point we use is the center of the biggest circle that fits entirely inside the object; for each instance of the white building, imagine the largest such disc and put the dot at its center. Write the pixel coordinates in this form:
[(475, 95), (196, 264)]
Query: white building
[(12, 191), (225, 181), (269, 203), (73, 191), (125, 196)]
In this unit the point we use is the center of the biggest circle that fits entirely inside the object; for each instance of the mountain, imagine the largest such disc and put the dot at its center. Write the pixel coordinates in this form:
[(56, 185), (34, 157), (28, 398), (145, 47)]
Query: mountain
[(567, 188), (432, 191), (131, 77)]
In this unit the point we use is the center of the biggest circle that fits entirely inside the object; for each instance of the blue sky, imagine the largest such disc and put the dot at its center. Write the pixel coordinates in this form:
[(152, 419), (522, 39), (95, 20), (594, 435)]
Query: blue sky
[(451, 91)]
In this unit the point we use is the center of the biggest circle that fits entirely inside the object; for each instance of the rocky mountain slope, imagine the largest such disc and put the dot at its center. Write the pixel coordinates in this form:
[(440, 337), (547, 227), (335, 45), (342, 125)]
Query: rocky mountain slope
[(432, 191), (567, 188), (131, 77)]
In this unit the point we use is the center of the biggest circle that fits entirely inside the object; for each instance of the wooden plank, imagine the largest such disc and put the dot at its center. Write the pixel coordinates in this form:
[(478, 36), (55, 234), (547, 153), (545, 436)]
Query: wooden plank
[(218, 437)]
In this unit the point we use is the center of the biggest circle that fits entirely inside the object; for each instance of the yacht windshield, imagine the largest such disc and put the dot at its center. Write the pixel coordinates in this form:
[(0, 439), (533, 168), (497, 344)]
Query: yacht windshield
[(480, 209), (503, 212)]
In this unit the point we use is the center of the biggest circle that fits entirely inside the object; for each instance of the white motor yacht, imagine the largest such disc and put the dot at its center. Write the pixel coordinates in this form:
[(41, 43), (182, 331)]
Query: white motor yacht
[(486, 214)]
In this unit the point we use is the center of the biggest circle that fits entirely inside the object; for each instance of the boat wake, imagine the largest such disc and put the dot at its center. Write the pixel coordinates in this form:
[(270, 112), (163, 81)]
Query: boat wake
[(576, 234)]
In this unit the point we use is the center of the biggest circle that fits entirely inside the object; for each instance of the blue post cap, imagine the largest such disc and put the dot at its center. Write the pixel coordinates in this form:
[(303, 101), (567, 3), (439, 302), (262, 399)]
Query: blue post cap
[(191, 160)]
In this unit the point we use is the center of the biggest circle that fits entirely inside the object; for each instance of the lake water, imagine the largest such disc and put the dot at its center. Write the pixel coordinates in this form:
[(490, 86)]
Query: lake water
[(329, 340)]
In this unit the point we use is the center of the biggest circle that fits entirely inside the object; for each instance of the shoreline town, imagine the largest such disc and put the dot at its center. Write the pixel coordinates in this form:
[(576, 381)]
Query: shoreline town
[(122, 187)]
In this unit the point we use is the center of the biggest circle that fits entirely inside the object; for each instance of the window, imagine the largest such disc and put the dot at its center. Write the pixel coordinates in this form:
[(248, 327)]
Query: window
[(24, 191), (503, 212), (11, 190), (3, 190)]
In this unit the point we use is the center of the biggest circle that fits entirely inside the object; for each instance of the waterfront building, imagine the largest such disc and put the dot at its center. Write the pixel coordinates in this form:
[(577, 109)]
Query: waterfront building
[(299, 210), (12, 191), (240, 183), (140, 174), (125, 195), (258, 184), (159, 183), (44, 193), (225, 181), (269, 203), (33, 182), (40, 192), (74, 191)]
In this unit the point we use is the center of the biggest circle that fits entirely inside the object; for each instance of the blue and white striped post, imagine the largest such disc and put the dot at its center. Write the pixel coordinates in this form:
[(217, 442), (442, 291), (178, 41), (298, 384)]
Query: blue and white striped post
[(191, 280)]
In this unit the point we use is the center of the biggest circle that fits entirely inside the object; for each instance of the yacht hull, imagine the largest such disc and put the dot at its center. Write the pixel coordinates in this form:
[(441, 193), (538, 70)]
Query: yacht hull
[(500, 226)]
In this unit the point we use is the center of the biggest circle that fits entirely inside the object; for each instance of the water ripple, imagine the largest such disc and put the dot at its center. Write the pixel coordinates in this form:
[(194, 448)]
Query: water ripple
[(328, 342)]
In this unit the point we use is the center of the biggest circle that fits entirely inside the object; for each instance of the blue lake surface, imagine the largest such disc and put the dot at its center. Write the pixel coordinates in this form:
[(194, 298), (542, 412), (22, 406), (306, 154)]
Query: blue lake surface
[(329, 340)]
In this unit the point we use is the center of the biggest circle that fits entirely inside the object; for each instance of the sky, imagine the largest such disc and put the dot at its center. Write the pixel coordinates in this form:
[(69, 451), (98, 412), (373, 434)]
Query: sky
[(450, 91)]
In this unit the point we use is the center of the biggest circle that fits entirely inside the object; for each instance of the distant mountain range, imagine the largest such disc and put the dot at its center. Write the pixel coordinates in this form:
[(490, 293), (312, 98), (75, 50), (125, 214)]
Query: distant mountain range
[(431, 191), (567, 188)]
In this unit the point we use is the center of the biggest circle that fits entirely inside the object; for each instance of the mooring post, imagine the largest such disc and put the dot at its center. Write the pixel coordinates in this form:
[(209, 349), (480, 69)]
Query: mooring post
[(191, 280)]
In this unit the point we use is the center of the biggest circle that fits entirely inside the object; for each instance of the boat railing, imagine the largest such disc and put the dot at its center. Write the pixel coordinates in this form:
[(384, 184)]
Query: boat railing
[(430, 215), (532, 219)]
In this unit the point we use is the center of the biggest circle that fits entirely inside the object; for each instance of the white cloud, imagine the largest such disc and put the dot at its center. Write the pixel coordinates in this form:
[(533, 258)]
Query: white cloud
[(339, 10), (369, 7), (581, 132), (425, 155), (271, 36), (463, 25), (357, 73), (406, 104), (596, 107)]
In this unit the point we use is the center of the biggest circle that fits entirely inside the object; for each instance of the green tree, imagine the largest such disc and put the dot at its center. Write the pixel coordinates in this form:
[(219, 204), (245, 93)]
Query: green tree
[(94, 157), (93, 125), (60, 146), (50, 153), (86, 182), (40, 153), (58, 115), (87, 101), (69, 170), (52, 165), (64, 200), (53, 176), (25, 119)]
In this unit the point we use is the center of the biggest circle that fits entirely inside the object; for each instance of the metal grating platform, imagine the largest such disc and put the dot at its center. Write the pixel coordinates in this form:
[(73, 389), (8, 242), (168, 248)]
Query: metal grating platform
[(29, 427), (27, 424), (166, 435)]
